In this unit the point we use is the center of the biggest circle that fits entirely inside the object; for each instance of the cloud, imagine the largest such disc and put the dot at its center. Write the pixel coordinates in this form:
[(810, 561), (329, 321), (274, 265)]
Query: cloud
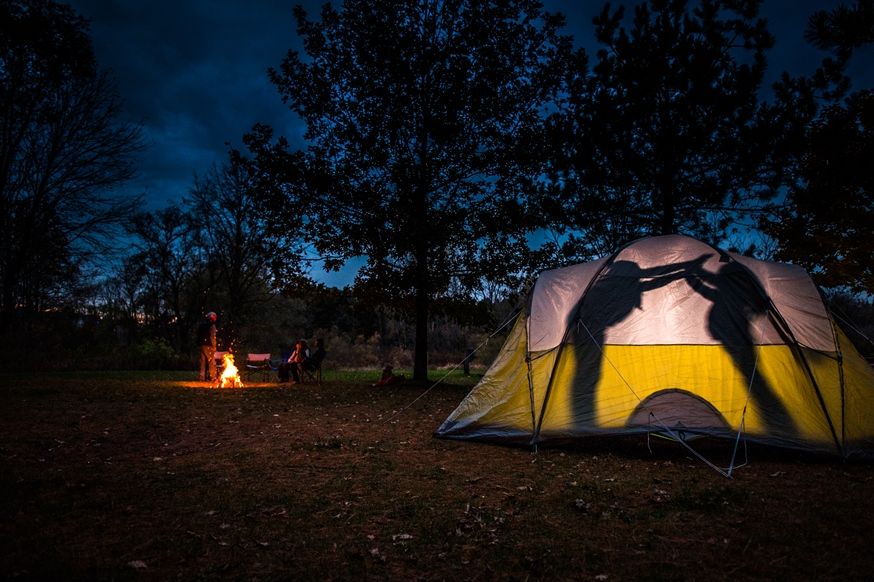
[(193, 72)]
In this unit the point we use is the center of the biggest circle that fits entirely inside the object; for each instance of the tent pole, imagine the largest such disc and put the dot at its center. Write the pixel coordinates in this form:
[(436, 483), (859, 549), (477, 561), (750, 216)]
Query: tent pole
[(530, 379), (840, 362), (783, 328), (536, 438)]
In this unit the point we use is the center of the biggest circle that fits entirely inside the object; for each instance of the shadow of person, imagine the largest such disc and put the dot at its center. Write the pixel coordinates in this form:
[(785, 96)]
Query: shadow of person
[(611, 299), (738, 303)]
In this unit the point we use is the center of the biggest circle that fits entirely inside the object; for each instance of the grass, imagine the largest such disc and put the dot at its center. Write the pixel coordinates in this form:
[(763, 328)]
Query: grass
[(151, 475)]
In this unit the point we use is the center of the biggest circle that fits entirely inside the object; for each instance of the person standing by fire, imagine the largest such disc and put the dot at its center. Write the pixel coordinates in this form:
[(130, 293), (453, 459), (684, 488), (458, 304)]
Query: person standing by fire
[(206, 339)]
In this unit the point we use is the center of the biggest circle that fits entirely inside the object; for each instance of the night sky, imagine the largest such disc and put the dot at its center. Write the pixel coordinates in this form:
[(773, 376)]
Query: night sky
[(193, 72)]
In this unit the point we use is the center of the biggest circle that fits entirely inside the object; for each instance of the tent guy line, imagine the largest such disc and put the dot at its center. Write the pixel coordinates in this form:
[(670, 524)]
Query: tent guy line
[(507, 322), (705, 341)]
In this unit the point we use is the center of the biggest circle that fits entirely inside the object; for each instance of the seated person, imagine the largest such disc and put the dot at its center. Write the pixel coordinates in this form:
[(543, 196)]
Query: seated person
[(388, 377), (298, 359), (314, 362), (292, 366)]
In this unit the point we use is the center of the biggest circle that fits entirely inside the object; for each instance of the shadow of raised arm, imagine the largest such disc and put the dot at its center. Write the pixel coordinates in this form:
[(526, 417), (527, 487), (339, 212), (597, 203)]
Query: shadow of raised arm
[(662, 275)]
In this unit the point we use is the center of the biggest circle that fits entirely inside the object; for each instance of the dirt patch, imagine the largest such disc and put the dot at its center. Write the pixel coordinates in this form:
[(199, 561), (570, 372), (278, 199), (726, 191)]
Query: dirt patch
[(118, 477)]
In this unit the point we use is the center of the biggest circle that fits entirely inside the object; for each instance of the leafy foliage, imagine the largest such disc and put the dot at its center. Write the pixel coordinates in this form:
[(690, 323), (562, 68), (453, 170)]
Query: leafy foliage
[(667, 133), (61, 150), (425, 143), (422, 121), (825, 223), (843, 29), (236, 242)]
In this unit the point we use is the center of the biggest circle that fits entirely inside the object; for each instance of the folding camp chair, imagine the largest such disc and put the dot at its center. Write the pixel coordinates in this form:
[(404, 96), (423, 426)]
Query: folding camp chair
[(311, 371), (308, 374), (259, 364)]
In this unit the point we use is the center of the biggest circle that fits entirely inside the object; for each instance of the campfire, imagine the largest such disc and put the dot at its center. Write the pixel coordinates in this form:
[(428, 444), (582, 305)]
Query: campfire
[(230, 378)]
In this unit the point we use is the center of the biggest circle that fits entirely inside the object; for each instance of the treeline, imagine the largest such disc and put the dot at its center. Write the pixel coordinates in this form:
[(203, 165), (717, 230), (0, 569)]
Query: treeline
[(458, 146), (358, 333)]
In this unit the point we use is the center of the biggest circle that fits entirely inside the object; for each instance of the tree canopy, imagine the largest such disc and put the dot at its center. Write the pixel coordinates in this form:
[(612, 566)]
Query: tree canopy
[(236, 242), (61, 151), (667, 133), (824, 223), (422, 127), (445, 140)]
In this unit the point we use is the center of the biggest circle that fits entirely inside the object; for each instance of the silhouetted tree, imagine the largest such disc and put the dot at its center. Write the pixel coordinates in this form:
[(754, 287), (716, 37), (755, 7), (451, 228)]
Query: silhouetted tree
[(61, 150), (667, 133), (421, 121), (842, 29), (170, 250), (123, 295), (236, 241), (825, 222)]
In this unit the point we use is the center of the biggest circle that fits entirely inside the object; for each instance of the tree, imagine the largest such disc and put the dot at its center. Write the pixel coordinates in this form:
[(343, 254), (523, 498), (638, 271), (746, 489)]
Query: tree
[(123, 294), (843, 29), (61, 151), (825, 221), (422, 124), (667, 133), (236, 240), (170, 251)]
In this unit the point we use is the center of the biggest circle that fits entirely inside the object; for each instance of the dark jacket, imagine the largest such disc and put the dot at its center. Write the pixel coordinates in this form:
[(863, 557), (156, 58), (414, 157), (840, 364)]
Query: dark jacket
[(206, 334)]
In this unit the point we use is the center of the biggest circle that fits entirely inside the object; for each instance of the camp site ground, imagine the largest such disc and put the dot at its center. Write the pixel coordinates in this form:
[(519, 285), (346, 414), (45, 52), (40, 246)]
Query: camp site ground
[(152, 476)]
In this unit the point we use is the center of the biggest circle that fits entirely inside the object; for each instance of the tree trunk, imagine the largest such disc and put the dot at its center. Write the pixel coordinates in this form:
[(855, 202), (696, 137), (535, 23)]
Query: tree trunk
[(668, 219), (7, 309), (665, 183), (420, 354), (664, 180)]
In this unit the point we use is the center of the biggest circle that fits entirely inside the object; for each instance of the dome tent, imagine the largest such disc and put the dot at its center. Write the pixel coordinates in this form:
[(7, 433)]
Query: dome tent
[(675, 336)]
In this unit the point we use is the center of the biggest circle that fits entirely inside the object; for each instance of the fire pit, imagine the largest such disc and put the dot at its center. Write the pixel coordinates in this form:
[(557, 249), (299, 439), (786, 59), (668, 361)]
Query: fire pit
[(230, 377)]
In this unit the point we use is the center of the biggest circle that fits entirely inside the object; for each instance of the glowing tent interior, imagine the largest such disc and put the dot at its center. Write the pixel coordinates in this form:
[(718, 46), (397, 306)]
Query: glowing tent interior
[(674, 336)]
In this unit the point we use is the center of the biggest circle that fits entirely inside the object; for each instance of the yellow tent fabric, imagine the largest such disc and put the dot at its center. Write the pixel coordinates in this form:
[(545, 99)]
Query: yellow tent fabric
[(673, 335)]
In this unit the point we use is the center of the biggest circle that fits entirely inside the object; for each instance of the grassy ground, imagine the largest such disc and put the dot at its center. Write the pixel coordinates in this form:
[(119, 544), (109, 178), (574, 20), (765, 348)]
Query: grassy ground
[(153, 476)]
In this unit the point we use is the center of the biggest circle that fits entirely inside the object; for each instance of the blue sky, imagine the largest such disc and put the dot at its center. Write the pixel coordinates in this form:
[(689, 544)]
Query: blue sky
[(193, 73)]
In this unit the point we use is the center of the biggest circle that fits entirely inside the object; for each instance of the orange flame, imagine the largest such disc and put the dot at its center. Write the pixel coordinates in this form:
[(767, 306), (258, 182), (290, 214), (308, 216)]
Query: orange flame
[(230, 378)]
